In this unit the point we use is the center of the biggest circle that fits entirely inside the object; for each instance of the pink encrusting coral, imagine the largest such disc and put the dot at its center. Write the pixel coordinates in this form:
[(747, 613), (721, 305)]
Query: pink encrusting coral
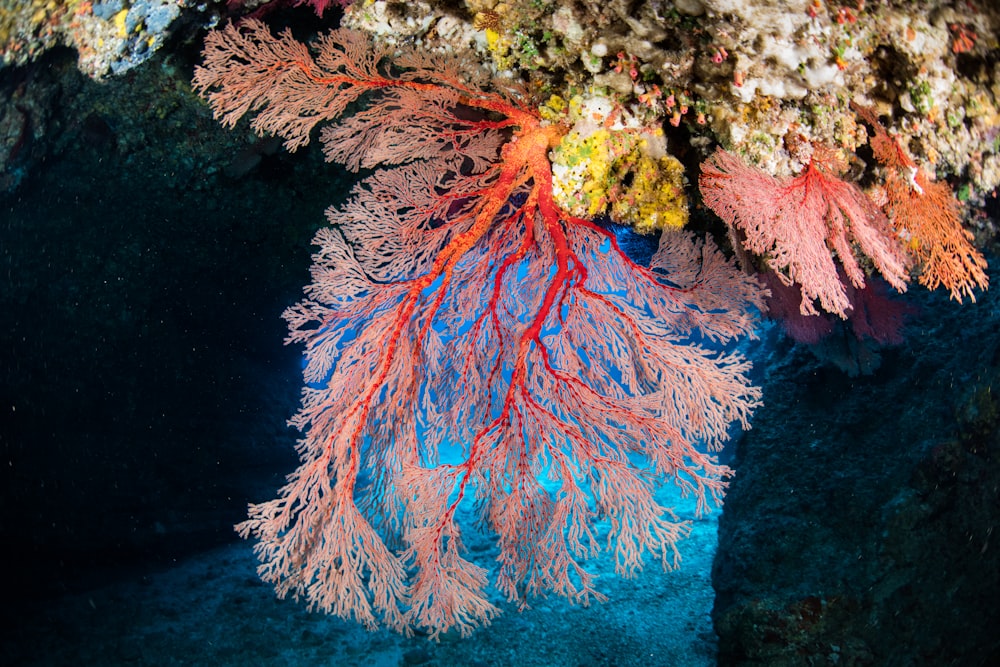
[(453, 301)]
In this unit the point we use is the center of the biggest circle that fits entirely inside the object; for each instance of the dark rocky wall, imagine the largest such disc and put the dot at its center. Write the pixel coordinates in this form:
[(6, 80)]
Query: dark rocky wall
[(147, 255), (860, 527)]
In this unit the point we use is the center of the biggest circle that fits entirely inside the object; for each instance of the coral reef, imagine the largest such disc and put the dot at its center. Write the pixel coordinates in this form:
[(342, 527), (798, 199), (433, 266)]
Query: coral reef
[(610, 162), (649, 89), (750, 74), (110, 36)]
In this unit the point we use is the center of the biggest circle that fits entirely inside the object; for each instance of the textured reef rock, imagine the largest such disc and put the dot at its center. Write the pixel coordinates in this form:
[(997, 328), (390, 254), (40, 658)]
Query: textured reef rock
[(110, 36), (858, 528), (749, 74)]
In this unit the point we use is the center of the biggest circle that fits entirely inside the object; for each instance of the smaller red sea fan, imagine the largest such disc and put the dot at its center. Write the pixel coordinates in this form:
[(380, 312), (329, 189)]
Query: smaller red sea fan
[(801, 224)]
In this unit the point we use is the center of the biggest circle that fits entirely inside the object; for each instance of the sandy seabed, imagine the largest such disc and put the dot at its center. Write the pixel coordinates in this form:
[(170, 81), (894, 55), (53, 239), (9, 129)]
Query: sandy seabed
[(211, 609)]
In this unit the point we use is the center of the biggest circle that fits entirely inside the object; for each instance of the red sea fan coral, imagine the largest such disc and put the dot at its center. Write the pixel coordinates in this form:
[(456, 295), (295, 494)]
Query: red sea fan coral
[(804, 226), (453, 301)]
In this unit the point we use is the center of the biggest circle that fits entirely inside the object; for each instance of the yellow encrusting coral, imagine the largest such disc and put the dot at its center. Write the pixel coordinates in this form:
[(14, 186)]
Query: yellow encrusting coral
[(655, 200), (610, 164)]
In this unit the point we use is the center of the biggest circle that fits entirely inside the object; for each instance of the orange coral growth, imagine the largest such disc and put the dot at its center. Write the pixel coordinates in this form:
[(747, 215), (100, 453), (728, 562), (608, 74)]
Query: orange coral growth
[(927, 218)]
